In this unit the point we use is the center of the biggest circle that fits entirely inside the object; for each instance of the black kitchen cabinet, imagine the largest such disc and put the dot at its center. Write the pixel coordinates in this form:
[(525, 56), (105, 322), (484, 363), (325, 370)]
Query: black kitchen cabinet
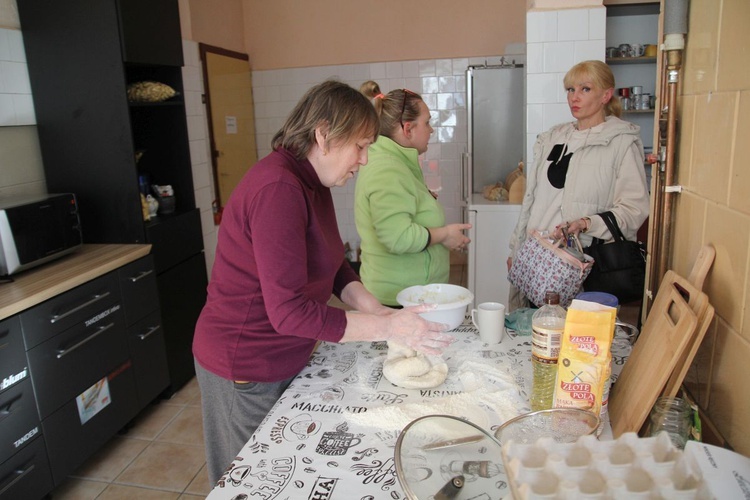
[(81, 55)]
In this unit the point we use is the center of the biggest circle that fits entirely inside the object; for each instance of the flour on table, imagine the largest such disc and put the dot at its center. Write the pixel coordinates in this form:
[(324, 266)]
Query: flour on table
[(486, 387)]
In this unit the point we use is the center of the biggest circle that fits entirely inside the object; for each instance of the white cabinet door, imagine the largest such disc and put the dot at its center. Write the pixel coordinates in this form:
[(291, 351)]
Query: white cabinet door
[(490, 236)]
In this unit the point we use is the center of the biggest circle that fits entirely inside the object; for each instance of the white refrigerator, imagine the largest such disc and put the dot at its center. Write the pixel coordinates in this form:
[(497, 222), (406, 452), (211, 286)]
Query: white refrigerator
[(495, 106), (492, 225)]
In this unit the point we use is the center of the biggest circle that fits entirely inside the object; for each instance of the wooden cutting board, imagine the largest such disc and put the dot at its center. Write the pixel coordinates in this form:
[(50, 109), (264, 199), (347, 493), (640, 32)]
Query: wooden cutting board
[(704, 311), (664, 338)]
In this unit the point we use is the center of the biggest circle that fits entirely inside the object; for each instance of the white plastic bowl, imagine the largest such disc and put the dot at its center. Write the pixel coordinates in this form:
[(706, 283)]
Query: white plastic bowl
[(451, 301)]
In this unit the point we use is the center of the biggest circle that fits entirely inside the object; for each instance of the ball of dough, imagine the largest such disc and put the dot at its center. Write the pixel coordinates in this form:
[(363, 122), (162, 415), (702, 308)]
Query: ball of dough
[(407, 368)]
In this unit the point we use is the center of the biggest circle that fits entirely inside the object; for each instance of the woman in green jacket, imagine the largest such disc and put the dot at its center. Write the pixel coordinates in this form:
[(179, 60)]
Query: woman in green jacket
[(405, 240)]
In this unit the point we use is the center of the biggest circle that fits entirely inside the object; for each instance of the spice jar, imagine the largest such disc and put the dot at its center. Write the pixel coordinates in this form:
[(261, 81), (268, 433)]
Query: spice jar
[(675, 417)]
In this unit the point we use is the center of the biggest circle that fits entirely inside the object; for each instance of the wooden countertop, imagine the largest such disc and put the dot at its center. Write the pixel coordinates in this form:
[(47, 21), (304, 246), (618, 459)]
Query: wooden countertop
[(34, 286)]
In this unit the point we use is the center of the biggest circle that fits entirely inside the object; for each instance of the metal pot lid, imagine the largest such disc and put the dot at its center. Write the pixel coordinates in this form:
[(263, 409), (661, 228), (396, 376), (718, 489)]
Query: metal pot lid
[(442, 457)]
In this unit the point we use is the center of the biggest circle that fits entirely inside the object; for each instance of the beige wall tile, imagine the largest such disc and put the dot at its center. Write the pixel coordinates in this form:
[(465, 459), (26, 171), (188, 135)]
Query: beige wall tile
[(687, 239), (739, 186), (729, 406), (729, 232), (698, 377), (699, 70), (733, 70), (686, 127), (712, 142)]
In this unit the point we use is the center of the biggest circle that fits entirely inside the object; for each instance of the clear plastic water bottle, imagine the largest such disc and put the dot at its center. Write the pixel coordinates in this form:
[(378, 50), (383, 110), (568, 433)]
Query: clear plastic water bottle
[(547, 326)]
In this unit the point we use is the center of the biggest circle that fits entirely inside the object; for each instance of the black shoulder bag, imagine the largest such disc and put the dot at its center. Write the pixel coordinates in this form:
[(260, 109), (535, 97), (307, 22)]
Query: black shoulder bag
[(619, 266)]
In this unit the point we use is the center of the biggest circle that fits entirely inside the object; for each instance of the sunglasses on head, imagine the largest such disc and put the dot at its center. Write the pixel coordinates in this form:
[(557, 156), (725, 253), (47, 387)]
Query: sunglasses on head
[(403, 105)]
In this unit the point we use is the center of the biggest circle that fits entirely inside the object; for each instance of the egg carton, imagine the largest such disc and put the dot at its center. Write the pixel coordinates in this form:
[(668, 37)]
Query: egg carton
[(628, 467)]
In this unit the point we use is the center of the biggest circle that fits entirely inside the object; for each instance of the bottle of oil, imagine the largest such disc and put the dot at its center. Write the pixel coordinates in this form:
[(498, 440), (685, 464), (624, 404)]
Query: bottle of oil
[(547, 326)]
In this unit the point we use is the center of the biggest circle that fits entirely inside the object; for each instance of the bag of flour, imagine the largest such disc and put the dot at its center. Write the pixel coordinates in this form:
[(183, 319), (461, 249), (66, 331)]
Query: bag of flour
[(583, 366)]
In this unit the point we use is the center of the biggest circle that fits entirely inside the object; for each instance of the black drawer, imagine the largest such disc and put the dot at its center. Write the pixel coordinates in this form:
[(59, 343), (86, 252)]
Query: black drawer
[(138, 285), (19, 422), (26, 474), (175, 239), (70, 443), (70, 308), (71, 362), (12, 354), (149, 355)]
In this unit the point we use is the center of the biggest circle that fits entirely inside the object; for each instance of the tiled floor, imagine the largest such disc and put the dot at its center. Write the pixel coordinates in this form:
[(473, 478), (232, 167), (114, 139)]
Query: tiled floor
[(161, 457)]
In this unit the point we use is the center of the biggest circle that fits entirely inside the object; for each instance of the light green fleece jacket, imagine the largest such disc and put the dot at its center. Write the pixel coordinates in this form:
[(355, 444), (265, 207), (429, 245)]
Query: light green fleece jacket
[(392, 209)]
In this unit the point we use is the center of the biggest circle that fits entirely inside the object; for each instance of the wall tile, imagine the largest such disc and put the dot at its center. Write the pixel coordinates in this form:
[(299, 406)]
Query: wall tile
[(461, 82), (572, 24), (4, 45), (729, 232), (729, 405), (698, 377), (535, 118), (688, 236), (427, 68), (17, 52), (393, 70), (558, 56), (712, 145), (740, 173), (7, 110), (597, 23), (192, 78), (190, 53), (443, 67), (23, 105), (14, 78), (684, 152), (588, 50), (541, 26), (733, 69), (202, 175), (535, 58), (447, 84), (459, 66), (377, 71), (700, 58), (541, 88)]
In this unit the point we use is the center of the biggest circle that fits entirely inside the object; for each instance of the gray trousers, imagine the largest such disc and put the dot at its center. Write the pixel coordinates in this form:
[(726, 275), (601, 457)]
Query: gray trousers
[(231, 413)]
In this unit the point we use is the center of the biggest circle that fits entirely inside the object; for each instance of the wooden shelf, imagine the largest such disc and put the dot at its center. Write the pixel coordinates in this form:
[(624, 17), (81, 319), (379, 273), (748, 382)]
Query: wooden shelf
[(631, 60)]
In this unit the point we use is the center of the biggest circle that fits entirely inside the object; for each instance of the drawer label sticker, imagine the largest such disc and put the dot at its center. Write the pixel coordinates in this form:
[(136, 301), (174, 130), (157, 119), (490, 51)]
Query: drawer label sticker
[(12, 379), (93, 400), (102, 315), (19, 442)]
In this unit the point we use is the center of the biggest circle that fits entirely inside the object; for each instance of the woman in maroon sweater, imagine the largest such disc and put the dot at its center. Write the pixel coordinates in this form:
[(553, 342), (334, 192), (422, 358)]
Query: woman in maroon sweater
[(278, 260)]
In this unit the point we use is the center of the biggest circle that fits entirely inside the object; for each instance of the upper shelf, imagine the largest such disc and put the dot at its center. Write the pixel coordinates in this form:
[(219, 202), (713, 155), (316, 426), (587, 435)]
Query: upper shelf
[(631, 60)]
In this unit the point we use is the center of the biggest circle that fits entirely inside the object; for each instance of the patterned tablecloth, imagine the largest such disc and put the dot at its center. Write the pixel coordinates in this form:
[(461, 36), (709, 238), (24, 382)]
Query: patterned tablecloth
[(333, 433)]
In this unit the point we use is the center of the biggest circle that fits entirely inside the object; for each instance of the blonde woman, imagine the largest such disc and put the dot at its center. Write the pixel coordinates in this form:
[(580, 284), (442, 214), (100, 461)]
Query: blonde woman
[(584, 167)]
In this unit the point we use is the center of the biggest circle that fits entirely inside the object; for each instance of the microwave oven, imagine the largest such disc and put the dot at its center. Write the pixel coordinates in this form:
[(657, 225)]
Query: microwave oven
[(37, 229)]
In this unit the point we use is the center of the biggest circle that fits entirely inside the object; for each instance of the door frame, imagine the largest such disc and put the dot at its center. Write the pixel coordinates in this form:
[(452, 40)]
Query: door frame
[(204, 49)]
